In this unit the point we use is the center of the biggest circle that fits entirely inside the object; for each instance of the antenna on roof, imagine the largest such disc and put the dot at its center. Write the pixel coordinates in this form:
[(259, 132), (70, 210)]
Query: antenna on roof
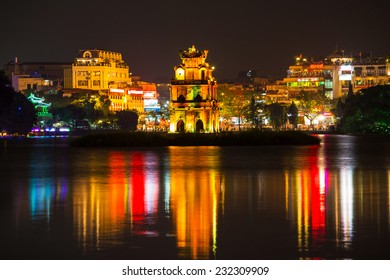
[(16, 68)]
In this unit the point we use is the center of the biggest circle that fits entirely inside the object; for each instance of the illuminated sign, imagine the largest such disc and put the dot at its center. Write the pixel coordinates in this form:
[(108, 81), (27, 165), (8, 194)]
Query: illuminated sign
[(317, 66), (345, 77), (149, 94), (133, 91), (117, 90), (345, 73), (346, 68), (307, 79), (150, 102), (151, 105)]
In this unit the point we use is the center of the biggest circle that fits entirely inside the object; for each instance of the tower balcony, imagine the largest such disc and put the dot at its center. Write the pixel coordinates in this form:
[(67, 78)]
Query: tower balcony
[(189, 82), (194, 104)]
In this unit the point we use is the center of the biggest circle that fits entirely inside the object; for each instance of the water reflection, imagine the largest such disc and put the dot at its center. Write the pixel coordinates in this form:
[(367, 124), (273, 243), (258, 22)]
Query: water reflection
[(324, 201), (340, 202), (195, 194)]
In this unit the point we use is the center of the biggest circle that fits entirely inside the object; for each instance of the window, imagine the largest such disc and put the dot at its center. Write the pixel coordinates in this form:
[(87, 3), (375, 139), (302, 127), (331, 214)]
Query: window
[(382, 70), (82, 83), (358, 71), (202, 74)]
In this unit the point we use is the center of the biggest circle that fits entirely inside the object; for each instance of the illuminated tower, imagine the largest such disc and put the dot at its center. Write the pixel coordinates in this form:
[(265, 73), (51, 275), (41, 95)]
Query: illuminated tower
[(194, 106)]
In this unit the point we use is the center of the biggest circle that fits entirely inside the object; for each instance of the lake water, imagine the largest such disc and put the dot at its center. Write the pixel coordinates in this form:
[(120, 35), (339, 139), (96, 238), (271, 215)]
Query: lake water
[(330, 201)]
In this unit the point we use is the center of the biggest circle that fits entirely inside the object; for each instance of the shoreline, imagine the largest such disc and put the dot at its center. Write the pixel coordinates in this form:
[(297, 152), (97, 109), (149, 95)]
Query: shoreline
[(156, 139)]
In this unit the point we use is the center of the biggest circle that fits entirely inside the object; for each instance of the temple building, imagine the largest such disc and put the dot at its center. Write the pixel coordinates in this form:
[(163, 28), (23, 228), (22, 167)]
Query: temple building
[(194, 105)]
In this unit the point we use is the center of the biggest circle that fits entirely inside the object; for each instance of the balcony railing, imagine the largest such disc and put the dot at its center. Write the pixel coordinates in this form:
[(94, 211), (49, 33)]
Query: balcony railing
[(189, 82)]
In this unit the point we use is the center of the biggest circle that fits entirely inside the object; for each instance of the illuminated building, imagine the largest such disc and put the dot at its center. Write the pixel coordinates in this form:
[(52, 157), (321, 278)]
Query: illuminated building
[(194, 106), (126, 99), (370, 71), (309, 76), (334, 74), (52, 73), (26, 82), (150, 96), (98, 69), (360, 71)]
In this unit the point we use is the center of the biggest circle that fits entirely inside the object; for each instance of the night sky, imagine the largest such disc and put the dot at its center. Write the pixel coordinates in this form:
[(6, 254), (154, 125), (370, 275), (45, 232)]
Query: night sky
[(240, 35)]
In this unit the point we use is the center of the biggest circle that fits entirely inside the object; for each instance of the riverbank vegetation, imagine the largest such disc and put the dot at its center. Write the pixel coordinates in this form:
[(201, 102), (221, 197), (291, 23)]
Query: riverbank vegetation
[(150, 139), (17, 114), (366, 112)]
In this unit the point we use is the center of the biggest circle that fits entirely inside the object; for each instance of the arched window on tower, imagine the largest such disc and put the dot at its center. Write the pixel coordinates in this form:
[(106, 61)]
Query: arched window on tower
[(180, 126), (199, 126), (181, 98), (203, 74), (198, 98)]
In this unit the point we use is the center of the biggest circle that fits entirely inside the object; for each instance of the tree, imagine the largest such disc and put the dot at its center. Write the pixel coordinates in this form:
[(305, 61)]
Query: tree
[(277, 114), (233, 104), (292, 114), (104, 104), (69, 114), (311, 104), (236, 106), (127, 120), (250, 113), (17, 113), (367, 112)]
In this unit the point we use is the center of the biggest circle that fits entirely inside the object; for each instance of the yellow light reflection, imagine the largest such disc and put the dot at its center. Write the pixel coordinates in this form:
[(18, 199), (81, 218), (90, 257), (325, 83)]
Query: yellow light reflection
[(100, 204), (194, 202), (346, 200)]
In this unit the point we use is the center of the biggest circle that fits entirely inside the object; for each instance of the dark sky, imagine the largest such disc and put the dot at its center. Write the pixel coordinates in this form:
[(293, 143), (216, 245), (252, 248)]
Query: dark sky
[(240, 35)]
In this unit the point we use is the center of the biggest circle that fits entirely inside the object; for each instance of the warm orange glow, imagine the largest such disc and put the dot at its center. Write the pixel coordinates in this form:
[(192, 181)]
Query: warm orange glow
[(117, 185), (194, 204)]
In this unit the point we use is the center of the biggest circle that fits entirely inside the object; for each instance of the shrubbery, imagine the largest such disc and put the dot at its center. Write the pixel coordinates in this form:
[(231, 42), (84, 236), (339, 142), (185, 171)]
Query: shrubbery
[(367, 112)]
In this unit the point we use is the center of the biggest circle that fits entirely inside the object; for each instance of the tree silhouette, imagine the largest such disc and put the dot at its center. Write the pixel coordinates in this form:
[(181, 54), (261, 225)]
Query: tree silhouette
[(292, 114), (127, 120), (277, 114), (367, 112), (17, 113)]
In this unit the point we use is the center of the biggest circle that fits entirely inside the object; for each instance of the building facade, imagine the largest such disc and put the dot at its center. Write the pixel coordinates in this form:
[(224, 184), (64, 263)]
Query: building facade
[(194, 105), (126, 99), (309, 76), (98, 69), (151, 102), (334, 74), (37, 75), (26, 82), (370, 71)]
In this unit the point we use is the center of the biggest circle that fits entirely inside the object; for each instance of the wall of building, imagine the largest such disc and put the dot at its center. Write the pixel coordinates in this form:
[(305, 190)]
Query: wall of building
[(25, 82), (98, 69)]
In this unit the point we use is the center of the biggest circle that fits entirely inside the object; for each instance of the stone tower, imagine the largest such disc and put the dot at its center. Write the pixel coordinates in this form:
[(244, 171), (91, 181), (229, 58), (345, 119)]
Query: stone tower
[(194, 106)]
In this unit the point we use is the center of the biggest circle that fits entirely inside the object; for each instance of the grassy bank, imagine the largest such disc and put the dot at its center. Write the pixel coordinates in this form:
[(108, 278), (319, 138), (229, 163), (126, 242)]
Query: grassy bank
[(149, 139)]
